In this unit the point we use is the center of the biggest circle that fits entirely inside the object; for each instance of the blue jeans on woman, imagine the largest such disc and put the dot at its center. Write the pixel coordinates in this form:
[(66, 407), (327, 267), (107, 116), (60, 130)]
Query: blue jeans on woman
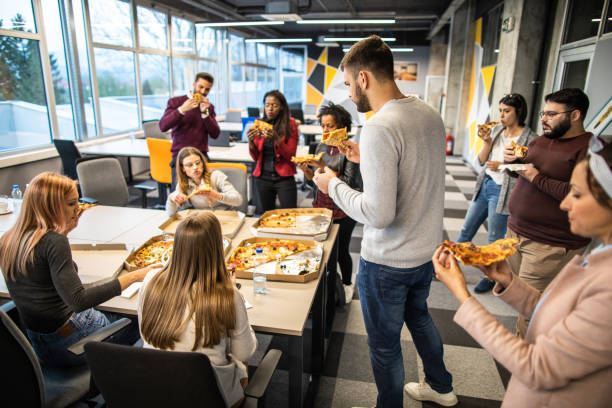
[(389, 298), (52, 349), (483, 208)]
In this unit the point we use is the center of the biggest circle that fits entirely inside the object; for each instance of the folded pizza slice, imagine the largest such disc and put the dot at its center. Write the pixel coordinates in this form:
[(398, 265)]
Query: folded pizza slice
[(86, 206), (307, 157), (335, 138), (519, 151), (197, 97), (202, 188), (261, 125), (469, 254)]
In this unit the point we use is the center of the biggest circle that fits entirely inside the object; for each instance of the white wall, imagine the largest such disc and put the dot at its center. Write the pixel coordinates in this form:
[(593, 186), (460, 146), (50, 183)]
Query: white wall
[(420, 55)]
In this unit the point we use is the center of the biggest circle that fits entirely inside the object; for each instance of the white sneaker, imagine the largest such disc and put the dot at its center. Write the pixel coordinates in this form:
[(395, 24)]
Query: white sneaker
[(348, 293), (423, 392)]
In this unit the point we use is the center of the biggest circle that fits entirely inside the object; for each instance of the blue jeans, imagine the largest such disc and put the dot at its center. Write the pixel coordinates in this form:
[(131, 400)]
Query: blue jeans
[(389, 298), (483, 208), (52, 349)]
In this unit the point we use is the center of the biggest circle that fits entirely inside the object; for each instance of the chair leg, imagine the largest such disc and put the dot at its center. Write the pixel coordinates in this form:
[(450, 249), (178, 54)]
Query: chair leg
[(143, 194)]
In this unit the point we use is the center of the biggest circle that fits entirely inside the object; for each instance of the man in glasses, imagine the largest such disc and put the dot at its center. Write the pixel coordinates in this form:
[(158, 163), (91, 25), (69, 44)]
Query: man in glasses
[(191, 118), (546, 243)]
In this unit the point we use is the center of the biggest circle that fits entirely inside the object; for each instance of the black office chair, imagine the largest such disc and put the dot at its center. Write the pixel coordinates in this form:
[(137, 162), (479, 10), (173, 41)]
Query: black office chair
[(25, 383), (69, 154), (297, 114), (139, 377), (253, 112)]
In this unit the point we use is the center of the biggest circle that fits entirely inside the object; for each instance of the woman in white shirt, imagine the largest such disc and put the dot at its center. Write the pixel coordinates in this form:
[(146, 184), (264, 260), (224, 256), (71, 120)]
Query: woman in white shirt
[(192, 304), (192, 173), (493, 188)]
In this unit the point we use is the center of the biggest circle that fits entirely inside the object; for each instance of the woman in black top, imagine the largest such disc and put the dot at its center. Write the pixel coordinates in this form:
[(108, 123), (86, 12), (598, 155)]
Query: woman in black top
[(42, 278)]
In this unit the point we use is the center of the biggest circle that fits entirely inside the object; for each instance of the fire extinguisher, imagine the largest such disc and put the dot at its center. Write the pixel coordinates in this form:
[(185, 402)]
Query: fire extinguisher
[(450, 143)]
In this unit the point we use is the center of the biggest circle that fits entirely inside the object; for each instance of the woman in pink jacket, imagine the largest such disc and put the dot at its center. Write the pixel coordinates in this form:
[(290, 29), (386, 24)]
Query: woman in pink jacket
[(565, 359)]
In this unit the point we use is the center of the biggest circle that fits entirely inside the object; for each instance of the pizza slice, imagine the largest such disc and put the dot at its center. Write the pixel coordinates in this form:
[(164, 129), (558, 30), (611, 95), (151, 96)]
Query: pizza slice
[(244, 257), (470, 254), (486, 127), (86, 206), (519, 151), (282, 220), (197, 97), (335, 138), (261, 125), (200, 189), (307, 157)]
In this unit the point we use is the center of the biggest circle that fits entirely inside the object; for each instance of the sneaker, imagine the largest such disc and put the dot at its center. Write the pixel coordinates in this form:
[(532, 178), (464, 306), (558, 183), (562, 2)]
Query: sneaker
[(484, 286), (348, 293), (423, 392)]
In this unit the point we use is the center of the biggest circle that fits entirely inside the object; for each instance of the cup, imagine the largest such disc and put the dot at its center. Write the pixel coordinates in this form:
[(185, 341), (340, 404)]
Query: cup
[(259, 283), (4, 204)]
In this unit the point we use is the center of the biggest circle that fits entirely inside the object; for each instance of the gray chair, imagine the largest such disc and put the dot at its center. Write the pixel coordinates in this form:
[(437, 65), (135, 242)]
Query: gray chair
[(238, 177), (101, 178), (151, 129), (25, 383), (233, 116)]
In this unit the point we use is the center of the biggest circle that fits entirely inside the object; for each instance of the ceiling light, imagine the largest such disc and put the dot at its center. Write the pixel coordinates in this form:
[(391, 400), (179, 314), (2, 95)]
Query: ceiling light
[(327, 44), (402, 49), (496, 51), (278, 40), (240, 23), (355, 39), (347, 21)]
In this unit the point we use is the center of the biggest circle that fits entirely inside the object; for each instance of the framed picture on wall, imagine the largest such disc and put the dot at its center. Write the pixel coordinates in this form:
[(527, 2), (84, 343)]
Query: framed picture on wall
[(405, 71), (601, 120)]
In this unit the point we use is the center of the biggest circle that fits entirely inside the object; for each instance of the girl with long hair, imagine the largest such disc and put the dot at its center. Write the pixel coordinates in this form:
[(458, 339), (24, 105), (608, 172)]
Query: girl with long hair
[(566, 356), (192, 172), (272, 150), (42, 278), (493, 187), (192, 305)]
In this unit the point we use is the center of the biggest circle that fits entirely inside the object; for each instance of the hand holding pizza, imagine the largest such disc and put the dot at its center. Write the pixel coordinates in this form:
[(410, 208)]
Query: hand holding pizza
[(509, 155), (485, 134), (322, 178), (498, 272), (308, 172), (204, 104), (178, 198), (212, 194), (351, 150), (136, 276), (190, 104), (448, 272), (268, 133)]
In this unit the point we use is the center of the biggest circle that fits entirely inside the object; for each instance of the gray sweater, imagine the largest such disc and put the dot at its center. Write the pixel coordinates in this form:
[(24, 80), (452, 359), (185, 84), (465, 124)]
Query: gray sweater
[(402, 166)]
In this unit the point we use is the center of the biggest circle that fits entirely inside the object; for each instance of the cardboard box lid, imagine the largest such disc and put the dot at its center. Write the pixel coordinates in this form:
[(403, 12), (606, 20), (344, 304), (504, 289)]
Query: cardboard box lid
[(230, 221), (98, 261)]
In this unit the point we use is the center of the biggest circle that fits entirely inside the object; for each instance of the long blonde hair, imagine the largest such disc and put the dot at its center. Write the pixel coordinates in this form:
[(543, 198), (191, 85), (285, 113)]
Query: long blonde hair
[(41, 212), (195, 281)]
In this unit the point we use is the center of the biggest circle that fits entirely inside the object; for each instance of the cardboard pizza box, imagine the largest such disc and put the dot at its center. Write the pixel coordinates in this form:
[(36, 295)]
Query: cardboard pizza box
[(304, 230), (98, 262), (278, 275), (231, 221)]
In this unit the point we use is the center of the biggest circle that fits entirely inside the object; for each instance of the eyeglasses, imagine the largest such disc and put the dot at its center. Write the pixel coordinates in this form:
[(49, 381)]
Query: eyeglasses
[(552, 114), (271, 106), (196, 163)]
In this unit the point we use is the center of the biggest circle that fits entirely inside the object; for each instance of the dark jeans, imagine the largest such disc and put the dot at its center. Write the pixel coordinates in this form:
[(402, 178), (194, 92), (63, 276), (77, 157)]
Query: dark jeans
[(341, 251), (267, 190), (389, 298), (52, 349)]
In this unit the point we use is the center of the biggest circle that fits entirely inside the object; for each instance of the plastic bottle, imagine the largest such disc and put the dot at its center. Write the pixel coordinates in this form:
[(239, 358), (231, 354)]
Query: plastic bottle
[(259, 278), (17, 196)]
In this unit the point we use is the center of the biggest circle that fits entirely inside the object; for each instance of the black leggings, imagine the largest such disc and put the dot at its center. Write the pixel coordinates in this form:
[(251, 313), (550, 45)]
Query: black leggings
[(341, 250), (285, 188)]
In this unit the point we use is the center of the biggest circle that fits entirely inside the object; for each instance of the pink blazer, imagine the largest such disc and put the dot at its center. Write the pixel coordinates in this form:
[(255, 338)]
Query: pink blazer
[(566, 357)]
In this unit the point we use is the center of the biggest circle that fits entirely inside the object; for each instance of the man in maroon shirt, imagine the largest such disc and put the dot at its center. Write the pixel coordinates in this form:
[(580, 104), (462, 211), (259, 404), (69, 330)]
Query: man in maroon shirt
[(546, 243), (191, 126)]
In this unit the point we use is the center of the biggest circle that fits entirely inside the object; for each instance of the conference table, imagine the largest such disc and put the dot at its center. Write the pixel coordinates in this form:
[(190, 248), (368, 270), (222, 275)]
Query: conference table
[(283, 311)]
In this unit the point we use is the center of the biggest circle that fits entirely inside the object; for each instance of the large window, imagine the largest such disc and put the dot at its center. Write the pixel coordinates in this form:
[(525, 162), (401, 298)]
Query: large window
[(583, 19), (292, 64), (154, 71), (152, 29), (111, 22), (183, 70), (183, 35)]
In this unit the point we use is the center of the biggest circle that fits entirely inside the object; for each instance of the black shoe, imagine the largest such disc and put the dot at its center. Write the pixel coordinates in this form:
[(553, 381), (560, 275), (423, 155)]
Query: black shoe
[(484, 285)]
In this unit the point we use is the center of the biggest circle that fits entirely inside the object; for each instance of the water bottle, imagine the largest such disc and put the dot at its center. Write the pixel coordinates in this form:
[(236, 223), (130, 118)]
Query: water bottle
[(16, 194), (259, 278)]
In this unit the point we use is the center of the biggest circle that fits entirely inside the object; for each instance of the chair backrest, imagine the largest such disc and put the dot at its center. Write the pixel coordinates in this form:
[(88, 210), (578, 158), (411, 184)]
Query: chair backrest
[(310, 109), (102, 179), (237, 175), (134, 377), (68, 153), (297, 114), (21, 378), (233, 116), (159, 160), (253, 111), (151, 129)]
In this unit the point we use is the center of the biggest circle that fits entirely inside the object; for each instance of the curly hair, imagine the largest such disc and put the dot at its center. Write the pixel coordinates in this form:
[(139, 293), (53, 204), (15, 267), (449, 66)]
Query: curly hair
[(340, 115)]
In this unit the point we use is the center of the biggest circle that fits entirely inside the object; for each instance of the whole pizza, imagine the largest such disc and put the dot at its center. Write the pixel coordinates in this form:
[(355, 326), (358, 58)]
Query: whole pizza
[(244, 257), (335, 138), (156, 252), (469, 254)]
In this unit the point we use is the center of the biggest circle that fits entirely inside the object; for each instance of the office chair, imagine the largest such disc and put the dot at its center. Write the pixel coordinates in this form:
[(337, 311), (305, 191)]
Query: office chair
[(160, 157), (140, 377), (297, 114), (101, 178), (69, 154), (253, 112), (237, 175), (151, 129), (28, 384), (233, 115)]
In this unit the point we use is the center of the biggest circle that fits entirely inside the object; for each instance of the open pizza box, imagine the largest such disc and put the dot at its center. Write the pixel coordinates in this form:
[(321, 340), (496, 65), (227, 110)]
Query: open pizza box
[(294, 268), (230, 221), (312, 223), (130, 266), (98, 261)]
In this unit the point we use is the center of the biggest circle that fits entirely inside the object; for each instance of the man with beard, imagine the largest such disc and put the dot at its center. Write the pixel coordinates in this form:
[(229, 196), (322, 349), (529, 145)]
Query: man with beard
[(191, 126), (546, 243), (401, 207)]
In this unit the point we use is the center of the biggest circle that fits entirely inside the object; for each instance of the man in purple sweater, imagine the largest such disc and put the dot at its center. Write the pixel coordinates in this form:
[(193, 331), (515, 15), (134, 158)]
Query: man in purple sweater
[(191, 126), (546, 243)]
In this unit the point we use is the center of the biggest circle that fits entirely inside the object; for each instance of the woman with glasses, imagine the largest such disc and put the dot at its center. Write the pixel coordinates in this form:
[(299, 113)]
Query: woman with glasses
[(493, 187), (272, 150), (192, 174)]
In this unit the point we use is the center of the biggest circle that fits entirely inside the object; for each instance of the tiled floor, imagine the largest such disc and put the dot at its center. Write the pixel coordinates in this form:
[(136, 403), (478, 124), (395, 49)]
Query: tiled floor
[(347, 379)]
